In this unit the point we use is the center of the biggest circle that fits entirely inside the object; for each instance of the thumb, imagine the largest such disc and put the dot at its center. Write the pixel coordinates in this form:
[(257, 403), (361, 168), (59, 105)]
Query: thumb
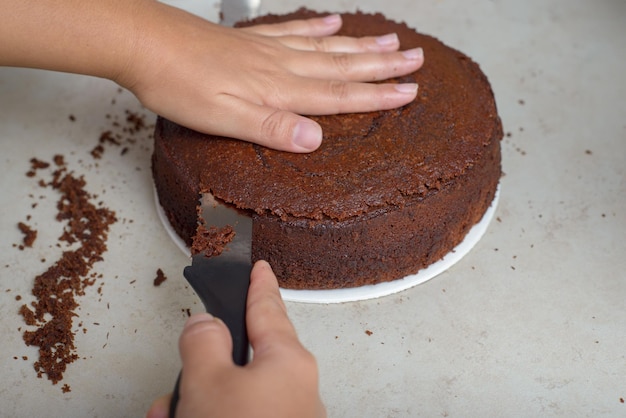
[(205, 345)]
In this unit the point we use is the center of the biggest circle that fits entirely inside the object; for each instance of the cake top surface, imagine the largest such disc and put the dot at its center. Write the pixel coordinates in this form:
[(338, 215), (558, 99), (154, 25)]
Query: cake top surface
[(367, 161)]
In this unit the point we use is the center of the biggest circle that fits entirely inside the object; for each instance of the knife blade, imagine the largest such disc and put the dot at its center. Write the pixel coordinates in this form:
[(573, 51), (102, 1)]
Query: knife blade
[(221, 277)]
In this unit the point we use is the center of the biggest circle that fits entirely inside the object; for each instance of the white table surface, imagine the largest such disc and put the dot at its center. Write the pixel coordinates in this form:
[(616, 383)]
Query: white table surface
[(532, 322)]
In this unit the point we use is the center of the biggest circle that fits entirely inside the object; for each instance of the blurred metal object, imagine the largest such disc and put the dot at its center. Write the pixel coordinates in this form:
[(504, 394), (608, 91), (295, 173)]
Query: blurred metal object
[(233, 11)]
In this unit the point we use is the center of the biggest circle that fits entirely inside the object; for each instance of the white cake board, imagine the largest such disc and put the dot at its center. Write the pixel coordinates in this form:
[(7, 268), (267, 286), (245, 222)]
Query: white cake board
[(353, 294)]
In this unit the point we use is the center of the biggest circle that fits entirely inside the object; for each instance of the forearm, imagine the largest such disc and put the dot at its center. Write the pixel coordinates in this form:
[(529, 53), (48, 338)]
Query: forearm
[(93, 37)]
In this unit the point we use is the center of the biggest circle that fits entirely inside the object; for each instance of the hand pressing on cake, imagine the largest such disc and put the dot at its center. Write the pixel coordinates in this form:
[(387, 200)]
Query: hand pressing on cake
[(253, 83), (281, 381)]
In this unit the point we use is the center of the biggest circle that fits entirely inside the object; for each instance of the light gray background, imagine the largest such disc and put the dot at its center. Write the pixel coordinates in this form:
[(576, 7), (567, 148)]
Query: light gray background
[(531, 323)]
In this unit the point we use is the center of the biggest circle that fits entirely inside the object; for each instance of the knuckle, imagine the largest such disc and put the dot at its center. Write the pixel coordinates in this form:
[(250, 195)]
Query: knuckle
[(319, 44), (338, 90), (342, 62), (275, 126)]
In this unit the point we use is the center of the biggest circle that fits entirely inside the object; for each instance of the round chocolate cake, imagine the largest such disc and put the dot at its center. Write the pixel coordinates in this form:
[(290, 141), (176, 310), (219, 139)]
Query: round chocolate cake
[(387, 194)]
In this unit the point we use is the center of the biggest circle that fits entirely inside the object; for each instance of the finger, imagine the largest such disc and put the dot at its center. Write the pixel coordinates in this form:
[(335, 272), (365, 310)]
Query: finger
[(337, 97), (356, 67), (266, 124), (160, 407), (317, 26), (267, 320), (384, 43), (205, 345)]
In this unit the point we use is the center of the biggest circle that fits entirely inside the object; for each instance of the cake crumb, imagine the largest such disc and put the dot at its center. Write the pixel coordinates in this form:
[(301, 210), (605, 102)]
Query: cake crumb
[(160, 278), (368, 332), (66, 388), (97, 152), (211, 241), (52, 311), (30, 235), (36, 164), (59, 160)]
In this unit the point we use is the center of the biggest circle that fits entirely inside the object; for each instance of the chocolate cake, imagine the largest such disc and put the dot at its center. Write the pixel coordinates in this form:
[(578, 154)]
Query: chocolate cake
[(387, 194)]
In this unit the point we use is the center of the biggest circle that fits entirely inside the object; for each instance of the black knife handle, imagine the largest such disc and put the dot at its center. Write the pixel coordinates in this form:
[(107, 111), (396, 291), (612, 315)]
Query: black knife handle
[(223, 288)]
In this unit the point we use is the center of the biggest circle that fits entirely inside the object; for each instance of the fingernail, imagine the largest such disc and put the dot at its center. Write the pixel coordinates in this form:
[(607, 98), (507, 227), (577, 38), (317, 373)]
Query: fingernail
[(389, 39), (413, 54), (332, 19), (410, 88), (307, 135), (197, 318)]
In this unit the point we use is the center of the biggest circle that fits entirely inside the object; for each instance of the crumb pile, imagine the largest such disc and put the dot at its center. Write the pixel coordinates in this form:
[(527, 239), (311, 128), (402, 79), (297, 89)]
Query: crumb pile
[(55, 290)]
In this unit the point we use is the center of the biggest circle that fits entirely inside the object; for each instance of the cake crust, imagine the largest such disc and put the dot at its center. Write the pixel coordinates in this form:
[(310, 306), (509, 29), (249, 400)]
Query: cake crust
[(386, 194)]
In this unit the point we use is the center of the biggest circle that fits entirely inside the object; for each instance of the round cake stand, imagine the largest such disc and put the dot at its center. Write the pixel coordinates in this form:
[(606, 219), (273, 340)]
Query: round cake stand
[(370, 291)]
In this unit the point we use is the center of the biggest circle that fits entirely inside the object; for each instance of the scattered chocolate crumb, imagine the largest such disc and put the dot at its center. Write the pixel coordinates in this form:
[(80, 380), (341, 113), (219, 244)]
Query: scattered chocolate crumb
[(588, 152), (25, 358), (59, 160), (121, 133), (30, 235), (97, 152), (521, 101), (621, 400), (368, 332), (66, 388), (107, 137), (55, 291), (72, 118), (18, 297), (36, 164), (160, 278), (212, 240)]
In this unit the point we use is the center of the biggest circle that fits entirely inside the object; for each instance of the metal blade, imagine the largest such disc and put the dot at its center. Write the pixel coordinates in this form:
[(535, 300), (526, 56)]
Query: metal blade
[(222, 281), (233, 11)]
